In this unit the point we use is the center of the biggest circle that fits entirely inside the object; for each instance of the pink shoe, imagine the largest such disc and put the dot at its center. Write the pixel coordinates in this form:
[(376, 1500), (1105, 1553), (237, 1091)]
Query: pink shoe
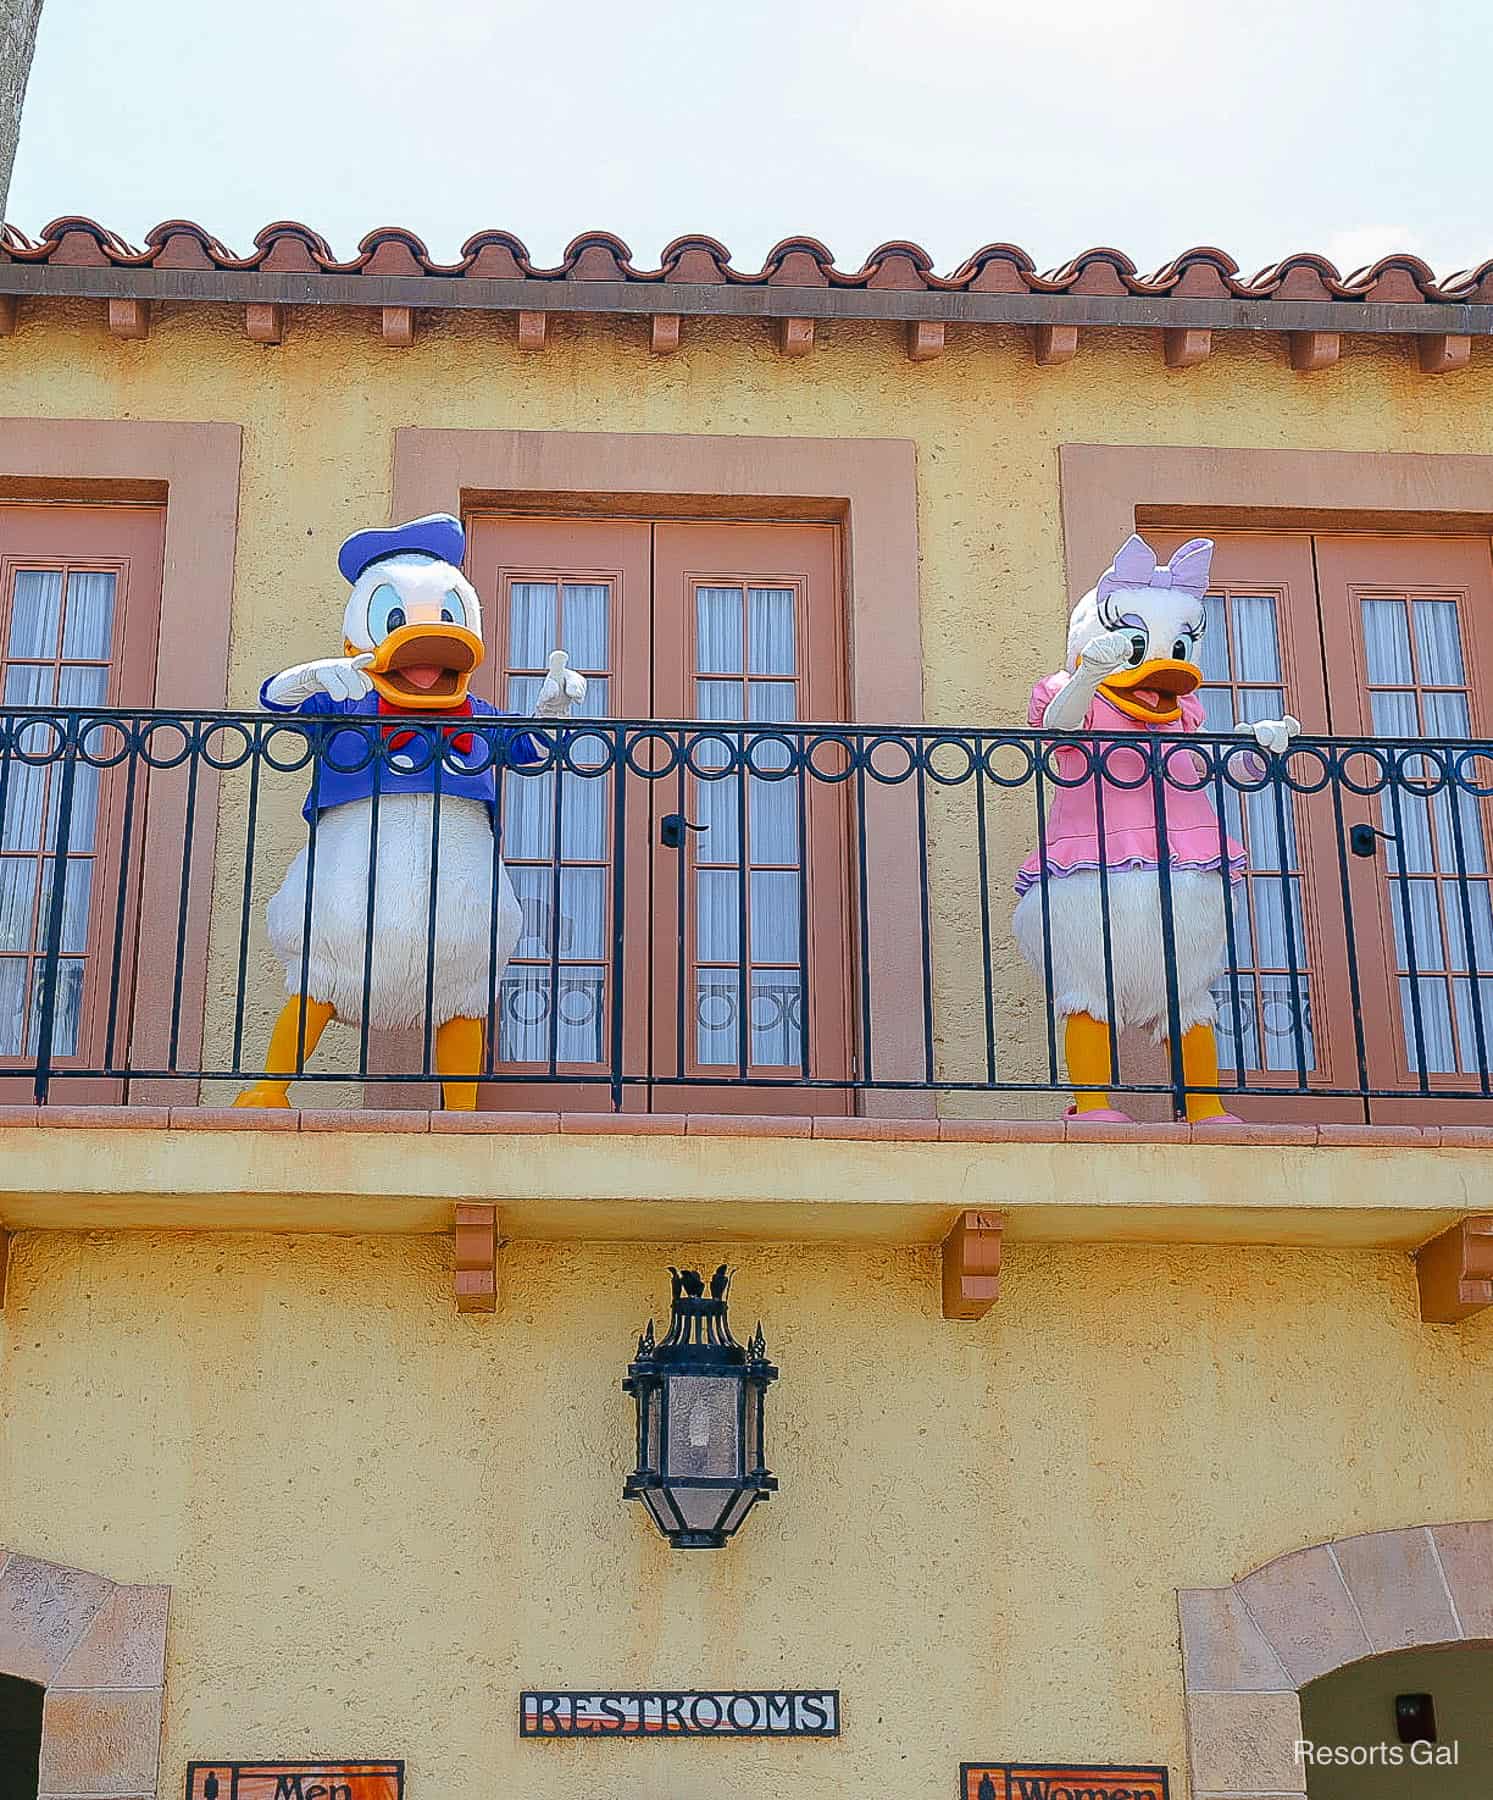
[(1099, 1115), (1217, 1119)]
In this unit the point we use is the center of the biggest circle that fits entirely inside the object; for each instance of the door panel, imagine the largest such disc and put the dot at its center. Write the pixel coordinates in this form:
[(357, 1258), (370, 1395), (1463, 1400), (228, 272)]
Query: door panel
[(582, 586), (80, 595), (751, 918), (1408, 621), (1284, 1008)]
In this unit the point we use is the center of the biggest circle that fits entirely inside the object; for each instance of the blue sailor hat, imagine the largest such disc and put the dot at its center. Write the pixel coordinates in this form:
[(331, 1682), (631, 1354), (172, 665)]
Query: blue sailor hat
[(437, 534)]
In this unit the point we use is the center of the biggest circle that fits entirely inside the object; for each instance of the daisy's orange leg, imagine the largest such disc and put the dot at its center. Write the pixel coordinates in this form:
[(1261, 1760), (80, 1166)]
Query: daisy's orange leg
[(458, 1051), (285, 1045), (1086, 1047), (1200, 1069)]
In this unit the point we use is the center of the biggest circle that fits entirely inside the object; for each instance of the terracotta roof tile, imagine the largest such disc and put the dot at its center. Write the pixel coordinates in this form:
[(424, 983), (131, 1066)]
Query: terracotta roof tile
[(1204, 273)]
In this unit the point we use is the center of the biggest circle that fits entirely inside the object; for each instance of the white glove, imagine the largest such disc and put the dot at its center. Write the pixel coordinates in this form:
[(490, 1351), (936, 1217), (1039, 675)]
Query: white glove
[(1101, 656), (562, 690), (340, 676), (1270, 734)]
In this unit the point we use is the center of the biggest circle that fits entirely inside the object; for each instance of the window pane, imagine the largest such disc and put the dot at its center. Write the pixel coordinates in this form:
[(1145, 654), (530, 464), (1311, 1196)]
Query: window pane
[(771, 647), (716, 808), (29, 686), (1285, 1014), (88, 633), (1446, 715), (17, 901), (85, 686), (718, 635), (587, 609), (718, 700), (716, 1013), (774, 815), (1213, 651), (524, 1015), (528, 816), (67, 1013), (1386, 641), (583, 824), (776, 1018), (1256, 638), (1393, 715), (531, 624), (1438, 642), (534, 888), (1435, 1039), (36, 613), (1480, 909), (1467, 1027), (774, 915), (583, 912), (717, 915), (12, 1003), (773, 703), (75, 896)]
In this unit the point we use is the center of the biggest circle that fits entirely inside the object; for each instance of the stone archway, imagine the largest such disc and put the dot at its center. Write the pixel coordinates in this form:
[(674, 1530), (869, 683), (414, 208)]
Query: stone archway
[(99, 1650), (1248, 1649)]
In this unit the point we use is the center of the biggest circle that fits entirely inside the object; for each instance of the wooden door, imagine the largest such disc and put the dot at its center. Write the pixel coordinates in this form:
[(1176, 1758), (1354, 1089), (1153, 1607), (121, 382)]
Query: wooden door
[(1284, 1008), (567, 1003), (1408, 635), (751, 922), (80, 591)]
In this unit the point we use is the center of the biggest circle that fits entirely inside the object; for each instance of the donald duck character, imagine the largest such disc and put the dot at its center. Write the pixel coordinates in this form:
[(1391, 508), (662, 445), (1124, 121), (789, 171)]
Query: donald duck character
[(412, 637), (1132, 668)]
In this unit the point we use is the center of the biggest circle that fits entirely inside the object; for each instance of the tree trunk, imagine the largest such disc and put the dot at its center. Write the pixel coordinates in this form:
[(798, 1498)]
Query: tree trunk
[(18, 22)]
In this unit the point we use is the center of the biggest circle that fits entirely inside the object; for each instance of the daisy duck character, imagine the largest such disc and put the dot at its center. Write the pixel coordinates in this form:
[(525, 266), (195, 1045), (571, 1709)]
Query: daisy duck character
[(412, 638), (1132, 668)]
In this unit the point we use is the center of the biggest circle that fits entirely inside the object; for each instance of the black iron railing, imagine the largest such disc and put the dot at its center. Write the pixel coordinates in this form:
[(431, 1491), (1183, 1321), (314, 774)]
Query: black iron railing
[(691, 906)]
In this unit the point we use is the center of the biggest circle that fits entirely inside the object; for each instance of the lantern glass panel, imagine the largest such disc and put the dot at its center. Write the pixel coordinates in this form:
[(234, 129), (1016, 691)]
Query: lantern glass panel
[(753, 1426), (654, 1502), (741, 1505), (652, 1414), (703, 1426), (700, 1508)]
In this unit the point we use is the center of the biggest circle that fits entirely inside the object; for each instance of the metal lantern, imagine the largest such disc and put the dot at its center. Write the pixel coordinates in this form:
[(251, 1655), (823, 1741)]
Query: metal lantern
[(701, 1464)]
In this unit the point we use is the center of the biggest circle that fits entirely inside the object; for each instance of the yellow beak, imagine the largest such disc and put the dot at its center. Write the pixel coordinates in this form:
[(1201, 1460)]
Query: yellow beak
[(1152, 691), (425, 667)]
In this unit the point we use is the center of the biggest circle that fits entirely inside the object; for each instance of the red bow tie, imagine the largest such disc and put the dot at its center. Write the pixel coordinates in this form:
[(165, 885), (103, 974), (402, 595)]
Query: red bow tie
[(460, 741)]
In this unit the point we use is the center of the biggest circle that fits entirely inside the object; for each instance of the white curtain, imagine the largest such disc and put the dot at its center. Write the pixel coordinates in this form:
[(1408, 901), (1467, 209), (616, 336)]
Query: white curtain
[(1409, 647), (1264, 1012), (578, 1016)]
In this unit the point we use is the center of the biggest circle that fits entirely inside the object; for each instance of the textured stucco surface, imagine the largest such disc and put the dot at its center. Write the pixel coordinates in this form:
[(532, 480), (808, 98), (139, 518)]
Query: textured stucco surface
[(319, 412), (380, 1520)]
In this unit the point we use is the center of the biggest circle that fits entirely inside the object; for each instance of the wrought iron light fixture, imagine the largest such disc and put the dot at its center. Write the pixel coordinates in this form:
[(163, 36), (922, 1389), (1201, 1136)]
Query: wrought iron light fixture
[(701, 1463)]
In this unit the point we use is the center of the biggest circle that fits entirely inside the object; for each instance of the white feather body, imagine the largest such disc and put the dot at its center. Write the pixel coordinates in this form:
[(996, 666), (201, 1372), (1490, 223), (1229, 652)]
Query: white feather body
[(465, 972), (1137, 953)]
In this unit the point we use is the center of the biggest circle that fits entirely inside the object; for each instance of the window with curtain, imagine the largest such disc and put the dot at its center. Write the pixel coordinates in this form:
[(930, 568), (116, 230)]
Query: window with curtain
[(746, 963), (557, 838), (59, 629), (1436, 854), (1264, 1002)]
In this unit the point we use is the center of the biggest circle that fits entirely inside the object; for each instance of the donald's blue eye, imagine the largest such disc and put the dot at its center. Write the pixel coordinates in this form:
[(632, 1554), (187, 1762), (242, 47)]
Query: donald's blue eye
[(385, 612), (454, 609)]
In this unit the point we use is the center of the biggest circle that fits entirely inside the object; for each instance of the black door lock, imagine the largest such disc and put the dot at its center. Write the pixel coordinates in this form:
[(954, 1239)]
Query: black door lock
[(1363, 840), (671, 830)]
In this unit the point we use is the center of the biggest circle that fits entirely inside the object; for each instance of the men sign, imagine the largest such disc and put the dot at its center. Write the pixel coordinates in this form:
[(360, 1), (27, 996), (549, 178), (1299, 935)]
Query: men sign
[(295, 1781), (1059, 1781)]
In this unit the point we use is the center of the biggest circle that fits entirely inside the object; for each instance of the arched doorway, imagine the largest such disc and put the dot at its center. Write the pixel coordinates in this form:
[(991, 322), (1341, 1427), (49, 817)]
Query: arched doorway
[(1351, 1714), (1252, 1650), (20, 1737), (82, 1674)]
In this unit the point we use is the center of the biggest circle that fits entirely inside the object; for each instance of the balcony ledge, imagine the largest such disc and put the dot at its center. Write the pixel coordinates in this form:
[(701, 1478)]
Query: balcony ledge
[(733, 1178)]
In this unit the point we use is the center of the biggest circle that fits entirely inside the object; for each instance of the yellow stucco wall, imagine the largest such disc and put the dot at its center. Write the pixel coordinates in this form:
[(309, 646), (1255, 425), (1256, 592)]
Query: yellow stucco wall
[(319, 412), (381, 1520)]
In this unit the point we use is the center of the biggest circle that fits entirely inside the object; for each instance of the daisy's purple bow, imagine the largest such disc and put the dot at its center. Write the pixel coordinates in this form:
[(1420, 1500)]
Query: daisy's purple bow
[(1135, 566)]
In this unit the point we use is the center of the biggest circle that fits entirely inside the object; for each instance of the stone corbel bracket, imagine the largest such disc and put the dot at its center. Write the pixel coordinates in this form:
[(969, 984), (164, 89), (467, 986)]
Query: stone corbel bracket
[(477, 1247), (971, 1259), (1454, 1272)]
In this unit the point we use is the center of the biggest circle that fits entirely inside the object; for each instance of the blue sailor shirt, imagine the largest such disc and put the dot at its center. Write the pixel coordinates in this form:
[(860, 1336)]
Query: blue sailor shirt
[(353, 760)]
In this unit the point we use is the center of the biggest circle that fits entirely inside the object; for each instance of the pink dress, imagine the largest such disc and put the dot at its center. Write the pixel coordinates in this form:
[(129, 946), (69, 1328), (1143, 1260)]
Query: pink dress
[(1194, 837)]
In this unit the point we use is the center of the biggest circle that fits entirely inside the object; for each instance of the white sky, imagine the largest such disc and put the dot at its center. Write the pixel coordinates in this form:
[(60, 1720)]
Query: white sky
[(1349, 126)]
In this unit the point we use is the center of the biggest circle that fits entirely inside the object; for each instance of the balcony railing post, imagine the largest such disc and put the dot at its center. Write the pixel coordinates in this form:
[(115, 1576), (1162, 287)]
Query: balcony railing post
[(46, 1024)]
